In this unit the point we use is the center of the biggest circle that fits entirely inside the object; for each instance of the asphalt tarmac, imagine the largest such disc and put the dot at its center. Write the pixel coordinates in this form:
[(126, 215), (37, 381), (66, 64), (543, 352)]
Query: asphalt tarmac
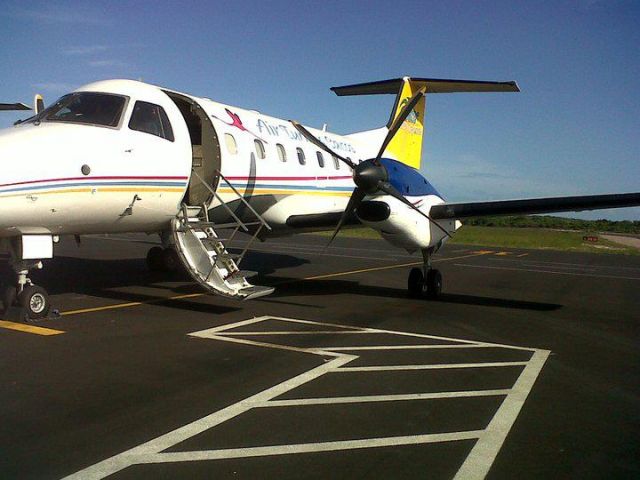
[(527, 367)]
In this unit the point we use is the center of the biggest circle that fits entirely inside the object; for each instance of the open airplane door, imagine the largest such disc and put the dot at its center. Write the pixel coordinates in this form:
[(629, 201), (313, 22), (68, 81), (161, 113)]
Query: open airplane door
[(198, 244)]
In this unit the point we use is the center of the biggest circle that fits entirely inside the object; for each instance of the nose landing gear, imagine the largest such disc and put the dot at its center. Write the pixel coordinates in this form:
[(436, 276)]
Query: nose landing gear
[(425, 281), (31, 300)]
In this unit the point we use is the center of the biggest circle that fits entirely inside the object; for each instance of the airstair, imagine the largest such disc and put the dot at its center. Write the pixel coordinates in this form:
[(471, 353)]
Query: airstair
[(203, 253)]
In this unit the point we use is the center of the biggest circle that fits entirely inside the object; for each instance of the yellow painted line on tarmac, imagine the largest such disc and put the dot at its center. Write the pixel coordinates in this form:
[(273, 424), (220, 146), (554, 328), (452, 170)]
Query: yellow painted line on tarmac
[(389, 267), (522, 255), (315, 277), (23, 327), (130, 304), (503, 254)]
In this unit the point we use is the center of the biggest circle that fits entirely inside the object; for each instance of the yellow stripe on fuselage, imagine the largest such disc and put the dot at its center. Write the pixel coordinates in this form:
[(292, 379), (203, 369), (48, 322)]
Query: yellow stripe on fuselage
[(96, 190), (272, 191)]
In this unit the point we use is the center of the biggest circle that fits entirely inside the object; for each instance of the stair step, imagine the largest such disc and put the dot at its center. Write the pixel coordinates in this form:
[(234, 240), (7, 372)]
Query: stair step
[(243, 274), (255, 291), (193, 208), (227, 256), (200, 225)]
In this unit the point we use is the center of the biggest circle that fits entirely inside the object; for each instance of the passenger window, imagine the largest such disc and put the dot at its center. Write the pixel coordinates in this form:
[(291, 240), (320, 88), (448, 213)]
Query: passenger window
[(320, 159), (282, 153), (336, 162), (301, 158), (152, 119), (259, 149), (232, 147)]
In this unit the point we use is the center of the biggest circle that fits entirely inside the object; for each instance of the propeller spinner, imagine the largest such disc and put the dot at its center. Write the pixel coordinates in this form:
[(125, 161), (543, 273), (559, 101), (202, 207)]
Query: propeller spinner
[(371, 176)]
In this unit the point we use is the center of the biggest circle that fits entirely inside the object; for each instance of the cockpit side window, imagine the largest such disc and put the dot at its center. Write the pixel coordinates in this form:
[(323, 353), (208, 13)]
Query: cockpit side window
[(86, 108), (152, 119)]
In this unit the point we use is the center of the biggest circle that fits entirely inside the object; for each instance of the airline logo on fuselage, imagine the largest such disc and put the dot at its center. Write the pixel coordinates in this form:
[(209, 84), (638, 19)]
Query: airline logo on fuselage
[(288, 131)]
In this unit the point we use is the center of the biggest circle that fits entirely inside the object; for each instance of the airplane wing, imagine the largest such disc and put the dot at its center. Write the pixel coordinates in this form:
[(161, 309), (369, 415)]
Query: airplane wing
[(534, 205), (320, 221), (14, 106)]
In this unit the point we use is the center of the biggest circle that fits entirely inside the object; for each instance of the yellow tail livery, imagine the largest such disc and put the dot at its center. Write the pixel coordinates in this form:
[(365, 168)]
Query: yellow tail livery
[(406, 145)]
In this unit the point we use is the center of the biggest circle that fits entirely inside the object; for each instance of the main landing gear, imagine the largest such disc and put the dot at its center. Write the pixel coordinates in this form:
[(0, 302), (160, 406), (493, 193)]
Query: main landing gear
[(33, 300), (425, 281), (161, 259)]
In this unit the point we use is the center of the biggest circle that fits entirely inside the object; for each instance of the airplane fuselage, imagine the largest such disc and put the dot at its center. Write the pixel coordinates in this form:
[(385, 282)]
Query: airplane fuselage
[(62, 176)]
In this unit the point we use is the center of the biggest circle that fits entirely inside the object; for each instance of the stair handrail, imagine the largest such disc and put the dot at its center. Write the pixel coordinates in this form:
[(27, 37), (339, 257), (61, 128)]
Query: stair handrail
[(242, 199), (224, 204)]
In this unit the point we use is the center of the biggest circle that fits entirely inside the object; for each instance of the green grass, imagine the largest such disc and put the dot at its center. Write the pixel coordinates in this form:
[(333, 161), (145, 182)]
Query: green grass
[(509, 237)]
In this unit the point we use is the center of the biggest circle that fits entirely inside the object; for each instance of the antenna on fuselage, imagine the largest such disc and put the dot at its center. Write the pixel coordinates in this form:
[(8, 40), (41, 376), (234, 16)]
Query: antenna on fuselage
[(38, 103)]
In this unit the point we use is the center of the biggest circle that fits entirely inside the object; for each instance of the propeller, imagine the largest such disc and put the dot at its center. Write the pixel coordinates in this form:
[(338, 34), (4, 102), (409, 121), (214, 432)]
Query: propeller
[(371, 176)]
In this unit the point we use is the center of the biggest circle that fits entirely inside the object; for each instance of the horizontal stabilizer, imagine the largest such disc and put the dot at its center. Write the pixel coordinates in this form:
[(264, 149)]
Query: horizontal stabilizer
[(14, 106), (535, 205), (433, 85)]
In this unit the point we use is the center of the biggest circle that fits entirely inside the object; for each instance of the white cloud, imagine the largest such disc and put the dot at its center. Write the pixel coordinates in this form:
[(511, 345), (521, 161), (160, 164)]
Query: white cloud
[(84, 50), (106, 63), (56, 15), (53, 87), (469, 177)]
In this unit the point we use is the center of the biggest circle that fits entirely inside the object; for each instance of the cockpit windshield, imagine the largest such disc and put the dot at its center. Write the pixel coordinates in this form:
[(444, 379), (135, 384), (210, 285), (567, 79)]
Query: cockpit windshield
[(86, 108)]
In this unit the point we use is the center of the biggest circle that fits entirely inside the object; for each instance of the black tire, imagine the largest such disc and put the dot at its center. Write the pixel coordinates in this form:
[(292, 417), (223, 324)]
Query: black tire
[(9, 295), (434, 283), (415, 283), (35, 301), (170, 260), (155, 259)]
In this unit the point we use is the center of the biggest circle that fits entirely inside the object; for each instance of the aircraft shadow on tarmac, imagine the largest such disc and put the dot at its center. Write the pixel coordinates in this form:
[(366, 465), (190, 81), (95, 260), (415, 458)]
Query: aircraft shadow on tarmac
[(287, 287), (106, 278), (109, 279)]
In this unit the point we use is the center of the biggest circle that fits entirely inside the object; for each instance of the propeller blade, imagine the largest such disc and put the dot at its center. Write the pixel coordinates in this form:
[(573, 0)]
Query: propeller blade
[(397, 123), (309, 136), (391, 190), (355, 199)]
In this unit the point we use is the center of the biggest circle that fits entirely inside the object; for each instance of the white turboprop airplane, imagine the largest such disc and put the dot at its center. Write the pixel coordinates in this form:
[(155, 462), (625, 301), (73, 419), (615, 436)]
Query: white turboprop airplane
[(126, 156)]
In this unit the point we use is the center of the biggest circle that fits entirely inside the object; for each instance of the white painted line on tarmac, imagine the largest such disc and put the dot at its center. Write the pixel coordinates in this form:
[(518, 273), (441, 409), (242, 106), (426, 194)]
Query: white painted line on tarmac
[(142, 453), (383, 398), (489, 440), (434, 366), (302, 332), (311, 447), (484, 452), (592, 275), (404, 347), (540, 262)]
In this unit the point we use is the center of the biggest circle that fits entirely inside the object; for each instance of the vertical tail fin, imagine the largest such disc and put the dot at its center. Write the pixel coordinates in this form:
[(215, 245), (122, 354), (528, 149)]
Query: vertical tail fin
[(406, 146)]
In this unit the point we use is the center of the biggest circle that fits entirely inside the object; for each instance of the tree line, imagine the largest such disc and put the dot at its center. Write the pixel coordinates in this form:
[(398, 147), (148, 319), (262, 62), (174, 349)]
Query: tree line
[(548, 221)]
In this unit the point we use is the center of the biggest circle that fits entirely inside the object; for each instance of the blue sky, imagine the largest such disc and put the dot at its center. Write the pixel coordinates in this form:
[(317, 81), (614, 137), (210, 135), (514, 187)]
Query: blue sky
[(574, 129)]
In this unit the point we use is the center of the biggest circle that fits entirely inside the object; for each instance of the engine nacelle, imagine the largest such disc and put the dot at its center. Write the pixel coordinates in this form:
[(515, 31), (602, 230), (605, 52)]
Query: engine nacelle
[(402, 226)]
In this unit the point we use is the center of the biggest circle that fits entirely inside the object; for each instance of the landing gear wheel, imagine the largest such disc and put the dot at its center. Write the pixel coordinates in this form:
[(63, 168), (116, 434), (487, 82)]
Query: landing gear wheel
[(35, 301), (415, 283), (9, 294), (155, 259), (170, 260), (434, 283)]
